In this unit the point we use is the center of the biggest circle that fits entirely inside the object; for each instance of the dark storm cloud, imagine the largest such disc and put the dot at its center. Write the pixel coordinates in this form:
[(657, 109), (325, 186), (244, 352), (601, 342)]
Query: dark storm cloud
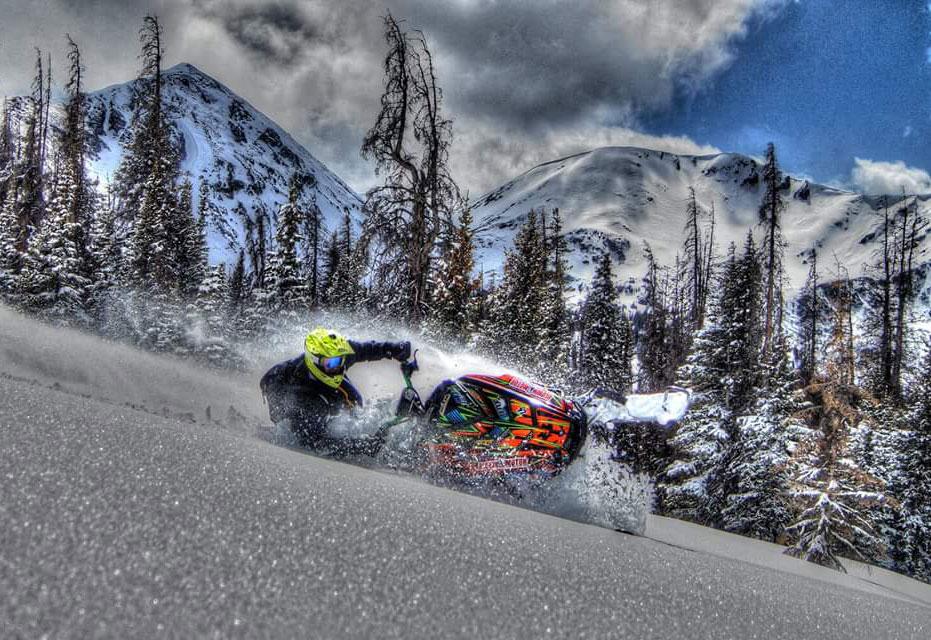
[(276, 33), (523, 81)]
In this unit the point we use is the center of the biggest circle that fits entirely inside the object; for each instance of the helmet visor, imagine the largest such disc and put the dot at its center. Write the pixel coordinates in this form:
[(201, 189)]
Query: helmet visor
[(331, 366)]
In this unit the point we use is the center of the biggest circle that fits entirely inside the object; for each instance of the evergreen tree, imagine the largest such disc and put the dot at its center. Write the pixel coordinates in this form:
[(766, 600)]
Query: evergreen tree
[(723, 369), (10, 256), (53, 279), (834, 500), (770, 218), (606, 344), (555, 341), (911, 538), (73, 147), (238, 287), (332, 257), (7, 150), (213, 311), (150, 152), (697, 263), (808, 312), (289, 285), (451, 314), (105, 250), (346, 290), (189, 239), (832, 496), (30, 172), (755, 473), (652, 337), (518, 316), (151, 163), (314, 232)]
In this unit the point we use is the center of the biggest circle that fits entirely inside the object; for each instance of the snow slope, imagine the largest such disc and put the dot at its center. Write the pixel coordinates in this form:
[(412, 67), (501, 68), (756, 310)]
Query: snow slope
[(616, 198), (152, 518)]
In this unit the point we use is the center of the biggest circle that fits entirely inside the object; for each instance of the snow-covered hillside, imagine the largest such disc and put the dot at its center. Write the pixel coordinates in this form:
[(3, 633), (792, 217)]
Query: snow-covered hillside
[(616, 198), (245, 157), (138, 500)]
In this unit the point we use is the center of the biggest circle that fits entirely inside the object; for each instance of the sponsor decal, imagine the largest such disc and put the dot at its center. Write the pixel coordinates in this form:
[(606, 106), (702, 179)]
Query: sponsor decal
[(502, 464)]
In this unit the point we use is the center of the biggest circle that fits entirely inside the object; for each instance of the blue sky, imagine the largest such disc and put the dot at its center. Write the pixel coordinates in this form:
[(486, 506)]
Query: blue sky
[(827, 82)]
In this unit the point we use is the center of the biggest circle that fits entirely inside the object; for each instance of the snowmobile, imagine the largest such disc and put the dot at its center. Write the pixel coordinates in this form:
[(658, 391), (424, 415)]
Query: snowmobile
[(479, 427)]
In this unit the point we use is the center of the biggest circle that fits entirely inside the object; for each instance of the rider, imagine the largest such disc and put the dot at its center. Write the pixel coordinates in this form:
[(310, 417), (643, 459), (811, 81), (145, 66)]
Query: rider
[(312, 388)]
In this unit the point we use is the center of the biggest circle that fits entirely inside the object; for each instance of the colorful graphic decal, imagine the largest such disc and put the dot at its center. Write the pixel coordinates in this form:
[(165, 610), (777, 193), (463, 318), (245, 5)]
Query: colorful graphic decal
[(490, 425)]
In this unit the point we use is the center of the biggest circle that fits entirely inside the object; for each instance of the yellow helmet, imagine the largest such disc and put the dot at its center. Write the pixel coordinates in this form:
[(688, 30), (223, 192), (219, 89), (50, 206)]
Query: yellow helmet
[(325, 354)]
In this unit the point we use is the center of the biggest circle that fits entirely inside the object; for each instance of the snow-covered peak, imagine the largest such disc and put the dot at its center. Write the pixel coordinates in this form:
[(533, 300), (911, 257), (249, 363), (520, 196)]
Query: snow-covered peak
[(243, 155), (617, 198)]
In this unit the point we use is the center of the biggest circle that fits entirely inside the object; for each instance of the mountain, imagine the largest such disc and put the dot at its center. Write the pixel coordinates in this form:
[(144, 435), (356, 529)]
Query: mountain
[(617, 198), (246, 158)]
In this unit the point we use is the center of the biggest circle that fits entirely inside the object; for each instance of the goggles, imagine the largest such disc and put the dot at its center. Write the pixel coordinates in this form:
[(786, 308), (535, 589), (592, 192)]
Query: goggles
[(331, 366)]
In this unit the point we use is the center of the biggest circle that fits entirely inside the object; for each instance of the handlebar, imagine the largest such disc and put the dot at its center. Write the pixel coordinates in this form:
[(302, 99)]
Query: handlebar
[(408, 367)]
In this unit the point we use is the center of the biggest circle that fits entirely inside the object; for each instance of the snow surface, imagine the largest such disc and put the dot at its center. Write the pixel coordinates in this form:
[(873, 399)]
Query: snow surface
[(153, 518)]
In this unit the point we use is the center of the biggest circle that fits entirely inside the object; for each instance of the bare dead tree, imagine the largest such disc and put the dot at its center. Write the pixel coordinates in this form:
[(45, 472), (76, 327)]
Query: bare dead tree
[(410, 146)]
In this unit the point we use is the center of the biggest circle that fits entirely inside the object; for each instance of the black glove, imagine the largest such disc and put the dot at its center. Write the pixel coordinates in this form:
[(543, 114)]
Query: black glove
[(400, 350)]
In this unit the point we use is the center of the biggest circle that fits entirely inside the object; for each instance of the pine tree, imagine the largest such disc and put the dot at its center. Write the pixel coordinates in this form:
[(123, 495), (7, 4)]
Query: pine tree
[(53, 279), (73, 144), (289, 285), (314, 235), (808, 312), (189, 239), (7, 150), (697, 263), (911, 542), (770, 218), (606, 337), (30, 172), (151, 162), (150, 152), (213, 311), (105, 250), (518, 316), (834, 499), (723, 369), (238, 286), (345, 290), (451, 313), (555, 340), (10, 256), (332, 256), (653, 333), (755, 473)]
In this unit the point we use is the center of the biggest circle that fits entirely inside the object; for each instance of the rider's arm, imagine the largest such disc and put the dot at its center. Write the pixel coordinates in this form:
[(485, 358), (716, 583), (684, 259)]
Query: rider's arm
[(372, 350)]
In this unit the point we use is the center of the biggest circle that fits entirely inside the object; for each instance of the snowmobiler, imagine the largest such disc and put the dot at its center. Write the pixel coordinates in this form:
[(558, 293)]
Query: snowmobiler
[(477, 427), (305, 393)]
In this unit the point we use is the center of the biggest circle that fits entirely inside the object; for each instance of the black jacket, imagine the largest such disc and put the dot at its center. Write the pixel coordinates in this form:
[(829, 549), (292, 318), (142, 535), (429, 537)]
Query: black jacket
[(295, 395)]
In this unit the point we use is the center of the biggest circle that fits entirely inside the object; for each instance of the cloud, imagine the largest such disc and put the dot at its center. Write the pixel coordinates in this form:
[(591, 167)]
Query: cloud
[(879, 177), (526, 78)]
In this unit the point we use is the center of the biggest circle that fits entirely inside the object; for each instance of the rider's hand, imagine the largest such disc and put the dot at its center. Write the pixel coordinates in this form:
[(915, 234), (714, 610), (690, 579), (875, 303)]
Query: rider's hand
[(401, 350)]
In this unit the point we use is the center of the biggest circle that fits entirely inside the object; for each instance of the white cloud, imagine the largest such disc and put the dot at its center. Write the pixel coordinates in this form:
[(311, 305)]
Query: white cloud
[(877, 177)]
